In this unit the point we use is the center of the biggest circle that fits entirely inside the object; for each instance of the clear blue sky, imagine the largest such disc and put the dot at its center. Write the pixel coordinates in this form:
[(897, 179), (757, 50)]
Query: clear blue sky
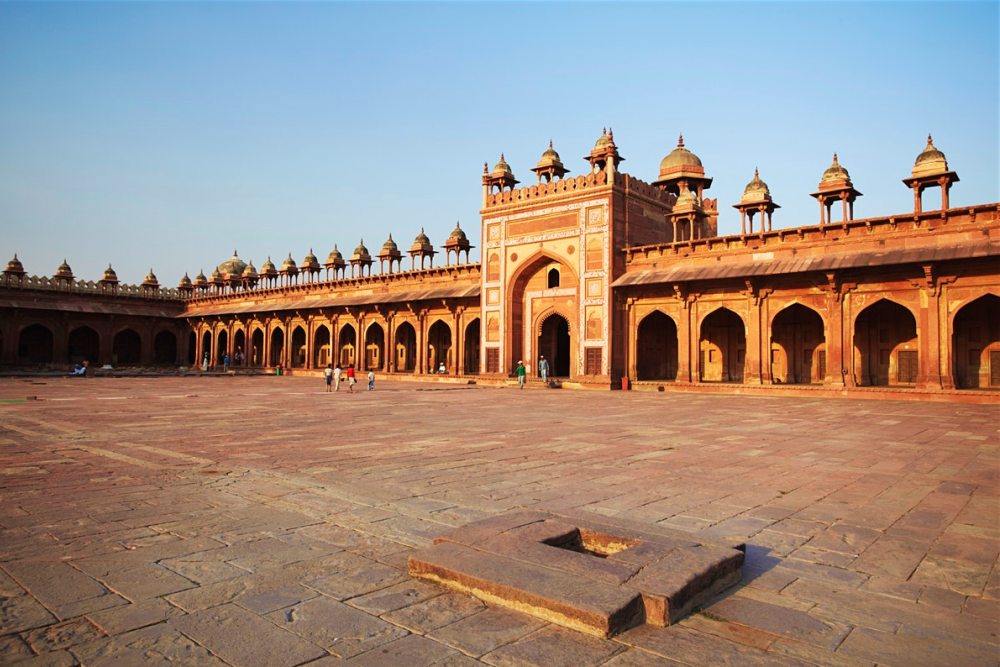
[(164, 135)]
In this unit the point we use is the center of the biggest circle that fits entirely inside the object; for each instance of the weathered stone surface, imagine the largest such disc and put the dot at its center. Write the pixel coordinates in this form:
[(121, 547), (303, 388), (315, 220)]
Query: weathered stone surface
[(553, 647), (411, 650), (436, 612), (481, 633), (566, 599), (244, 638), (340, 629)]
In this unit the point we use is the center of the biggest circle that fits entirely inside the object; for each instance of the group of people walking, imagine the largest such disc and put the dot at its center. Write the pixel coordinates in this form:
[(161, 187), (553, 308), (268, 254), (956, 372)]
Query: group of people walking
[(335, 374)]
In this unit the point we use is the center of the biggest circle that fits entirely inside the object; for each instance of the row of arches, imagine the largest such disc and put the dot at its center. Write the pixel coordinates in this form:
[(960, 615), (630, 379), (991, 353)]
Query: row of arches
[(886, 344), (291, 349), (36, 344)]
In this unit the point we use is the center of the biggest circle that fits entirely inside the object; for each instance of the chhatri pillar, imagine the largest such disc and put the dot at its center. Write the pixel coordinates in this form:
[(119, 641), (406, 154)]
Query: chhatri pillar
[(835, 185), (930, 169)]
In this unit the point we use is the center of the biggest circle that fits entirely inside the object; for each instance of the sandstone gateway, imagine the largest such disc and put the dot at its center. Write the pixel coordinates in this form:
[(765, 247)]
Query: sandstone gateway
[(618, 282)]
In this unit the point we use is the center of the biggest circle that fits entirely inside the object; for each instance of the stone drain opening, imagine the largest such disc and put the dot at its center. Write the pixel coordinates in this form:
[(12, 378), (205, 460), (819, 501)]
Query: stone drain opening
[(591, 543)]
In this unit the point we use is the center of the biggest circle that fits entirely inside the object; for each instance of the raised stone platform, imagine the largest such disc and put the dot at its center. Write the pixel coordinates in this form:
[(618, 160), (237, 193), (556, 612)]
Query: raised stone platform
[(584, 571)]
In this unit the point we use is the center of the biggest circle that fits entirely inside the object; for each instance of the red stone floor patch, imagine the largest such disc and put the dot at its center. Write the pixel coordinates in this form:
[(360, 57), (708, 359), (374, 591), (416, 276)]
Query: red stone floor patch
[(588, 572)]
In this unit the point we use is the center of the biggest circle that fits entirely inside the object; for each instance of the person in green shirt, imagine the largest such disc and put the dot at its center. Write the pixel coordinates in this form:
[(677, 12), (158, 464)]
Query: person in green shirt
[(521, 371)]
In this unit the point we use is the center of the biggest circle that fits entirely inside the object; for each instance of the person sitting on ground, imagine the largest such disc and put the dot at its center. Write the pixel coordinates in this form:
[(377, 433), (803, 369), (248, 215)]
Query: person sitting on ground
[(80, 370)]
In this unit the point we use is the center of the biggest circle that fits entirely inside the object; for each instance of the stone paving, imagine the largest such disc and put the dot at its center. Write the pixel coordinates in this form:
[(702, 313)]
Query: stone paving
[(261, 521)]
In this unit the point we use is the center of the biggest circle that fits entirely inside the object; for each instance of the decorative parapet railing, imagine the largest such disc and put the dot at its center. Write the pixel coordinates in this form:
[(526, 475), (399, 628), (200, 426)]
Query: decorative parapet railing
[(88, 287), (576, 184), (927, 221), (435, 276)]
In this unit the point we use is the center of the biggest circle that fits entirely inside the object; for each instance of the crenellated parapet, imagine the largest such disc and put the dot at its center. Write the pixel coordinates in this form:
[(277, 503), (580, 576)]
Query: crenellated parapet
[(89, 287), (556, 187)]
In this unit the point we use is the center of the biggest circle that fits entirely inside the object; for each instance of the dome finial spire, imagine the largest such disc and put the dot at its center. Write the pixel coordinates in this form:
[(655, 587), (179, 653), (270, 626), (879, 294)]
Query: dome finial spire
[(930, 140), (756, 173), (680, 140)]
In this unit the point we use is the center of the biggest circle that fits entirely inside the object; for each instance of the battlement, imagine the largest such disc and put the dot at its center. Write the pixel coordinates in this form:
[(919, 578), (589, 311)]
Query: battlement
[(89, 287)]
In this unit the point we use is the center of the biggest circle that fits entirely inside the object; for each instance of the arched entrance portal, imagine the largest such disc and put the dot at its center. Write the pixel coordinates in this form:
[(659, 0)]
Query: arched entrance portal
[(34, 345), (406, 348), (554, 344), (438, 347), (798, 352), (348, 345), (126, 348), (472, 348), (206, 348), (221, 347), (165, 348), (298, 347), (656, 348), (239, 348), (885, 337), (722, 347), (255, 357), (977, 344), (84, 345), (277, 356), (321, 348), (374, 347)]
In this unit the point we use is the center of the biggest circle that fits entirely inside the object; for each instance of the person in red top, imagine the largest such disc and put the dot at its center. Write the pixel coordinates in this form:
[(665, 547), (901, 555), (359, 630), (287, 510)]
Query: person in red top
[(350, 378)]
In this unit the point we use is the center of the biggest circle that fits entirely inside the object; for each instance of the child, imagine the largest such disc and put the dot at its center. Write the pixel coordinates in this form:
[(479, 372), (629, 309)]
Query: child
[(371, 380), (351, 381), (329, 377)]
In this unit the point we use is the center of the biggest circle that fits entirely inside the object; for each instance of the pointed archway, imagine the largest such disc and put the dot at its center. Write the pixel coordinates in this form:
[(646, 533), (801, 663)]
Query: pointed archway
[(84, 345), (405, 348), (798, 350), (255, 355), (321, 347), (656, 348), (277, 356), (542, 283), (554, 343), (439, 347), (885, 338), (298, 347), (472, 343), (221, 346), (348, 341), (375, 347), (126, 348), (722, 347), (165, 348), (239, 348), (976, 342), (34, 345)]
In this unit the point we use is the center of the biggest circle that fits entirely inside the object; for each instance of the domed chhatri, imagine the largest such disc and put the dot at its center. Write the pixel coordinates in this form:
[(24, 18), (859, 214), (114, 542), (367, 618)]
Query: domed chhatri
[(268, 269), (109, 275), (930, 170), (389, 253), (421, 243), (604, 153), (549, 166), (335, 256), (150, 280), (185, 282), (457, 242), (217, 278), (251, 271), (14, 267), (64, 272), (501, 178), (232, 267), (309, 262), (361, 260), (835, 173), (389, 246), (931, 161), (756, 199), (289, 266), (361, 251), (835, 185), (682, 170), (200, 280), (756, 190)]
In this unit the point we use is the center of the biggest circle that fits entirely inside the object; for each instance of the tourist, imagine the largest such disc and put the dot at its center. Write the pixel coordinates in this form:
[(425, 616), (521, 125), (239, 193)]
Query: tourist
[(204, 363), (543, 368), (371, 380), (351, 380), (225, 362), (521, 371), (441, 369), (80, 370), (336, 377), (329, 377)]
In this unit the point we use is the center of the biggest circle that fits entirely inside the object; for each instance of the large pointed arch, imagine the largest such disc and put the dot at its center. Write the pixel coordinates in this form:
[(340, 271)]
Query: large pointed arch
[(405, 348), (375, 347), (656, 347), (886, 345), (798, 346), (84, 344), (722, 346), (533, 274), (976, 343)]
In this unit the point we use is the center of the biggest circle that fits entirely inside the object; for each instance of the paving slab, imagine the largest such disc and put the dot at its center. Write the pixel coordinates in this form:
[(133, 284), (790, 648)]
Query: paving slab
[(878, 519)]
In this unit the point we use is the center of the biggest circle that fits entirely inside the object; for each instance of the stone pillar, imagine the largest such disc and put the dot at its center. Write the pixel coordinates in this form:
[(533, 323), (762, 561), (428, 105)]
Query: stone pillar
[(847, 324), (687, 343), (390, 342), (631, 340), (945, 340), (929, 340), (752, 362), (459, 342), (833, 334), (421, 345), (917, 203)]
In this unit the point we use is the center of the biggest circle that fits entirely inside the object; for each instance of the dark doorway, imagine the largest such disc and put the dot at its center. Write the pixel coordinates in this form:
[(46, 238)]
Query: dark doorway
[(256, 355), (192, 347), (321, 347), (277, 356), (554, 343), (239, 349), (798, 354), (656, 348), (127, 347), (298, 347), (165, 348), (885, 336), (977, 344), (348, 345), (84, 345), (439, 347), (472, 347), (34, 345), (722, 347), (406, 348), (206, 348), (221, 347), (374, 347)]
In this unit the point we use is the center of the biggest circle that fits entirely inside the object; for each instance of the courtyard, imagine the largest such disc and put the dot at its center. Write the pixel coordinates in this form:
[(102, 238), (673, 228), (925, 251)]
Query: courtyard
[(261, 521)]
